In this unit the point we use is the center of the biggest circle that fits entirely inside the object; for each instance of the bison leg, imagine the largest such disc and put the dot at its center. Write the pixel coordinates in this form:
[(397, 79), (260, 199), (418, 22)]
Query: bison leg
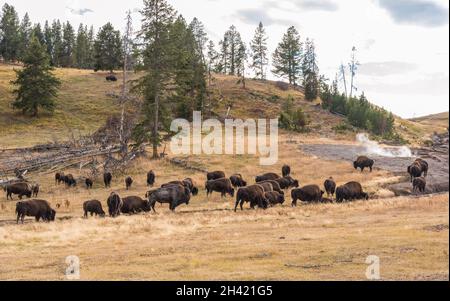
[(237, 204)]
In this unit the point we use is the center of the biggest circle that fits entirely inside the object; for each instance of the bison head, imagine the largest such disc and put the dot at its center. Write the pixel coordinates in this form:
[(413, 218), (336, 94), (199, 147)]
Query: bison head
[(281, 199), (231, 192), (52, 215), (355, 165), (194, 191)]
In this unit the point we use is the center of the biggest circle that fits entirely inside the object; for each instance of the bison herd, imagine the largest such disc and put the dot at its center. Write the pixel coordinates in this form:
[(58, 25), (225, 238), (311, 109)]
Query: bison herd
[(268, 190)]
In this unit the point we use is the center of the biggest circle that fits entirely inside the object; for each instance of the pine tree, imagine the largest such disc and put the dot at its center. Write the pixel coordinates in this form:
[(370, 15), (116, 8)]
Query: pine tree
[(91, 49), (198, 30), (241, 60), (82, 48), (213, 57), (57, 43), (287, 57), (37, 87), (232, 45), (108, 49), (158, 16), (259, 52), (37, 32), (25, 31), (67, 58), (9, 34), (310, 71), (224, 64), (49, 41)]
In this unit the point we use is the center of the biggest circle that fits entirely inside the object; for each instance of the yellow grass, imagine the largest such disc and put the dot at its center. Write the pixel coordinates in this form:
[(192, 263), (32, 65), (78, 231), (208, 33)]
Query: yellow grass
[(208, 241)]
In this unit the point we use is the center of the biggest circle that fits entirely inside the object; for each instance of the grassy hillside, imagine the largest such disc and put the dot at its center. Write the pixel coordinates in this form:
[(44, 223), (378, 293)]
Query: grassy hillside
[(83, 105), (439, 121)]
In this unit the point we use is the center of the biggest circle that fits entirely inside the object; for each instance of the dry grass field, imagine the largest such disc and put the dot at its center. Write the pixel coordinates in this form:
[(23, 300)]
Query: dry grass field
[(208, 241)]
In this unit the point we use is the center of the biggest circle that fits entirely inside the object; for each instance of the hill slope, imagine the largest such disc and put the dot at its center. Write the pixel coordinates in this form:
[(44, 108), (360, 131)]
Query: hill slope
[(84, 103)]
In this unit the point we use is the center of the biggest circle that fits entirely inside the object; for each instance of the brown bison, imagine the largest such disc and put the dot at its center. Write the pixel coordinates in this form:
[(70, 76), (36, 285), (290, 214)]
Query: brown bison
[(35, 190), (223, 186), (275, 186), (419, 184), (111, 78), (237, 181), (59, 178), (215, 175), (128, 182), (350, 191), (107, 179), (286, 171), (70, 180), (288, 182), (134, 204), (267, 177), (151, 177), (93, 207), (330, 186), (174, 195), (266, 186), (39, 209), (308, 194), (188, 182), (254, 195), (274, 198), (363, 162), (417, 169), (114, 204), (21, 189), (89, 183)]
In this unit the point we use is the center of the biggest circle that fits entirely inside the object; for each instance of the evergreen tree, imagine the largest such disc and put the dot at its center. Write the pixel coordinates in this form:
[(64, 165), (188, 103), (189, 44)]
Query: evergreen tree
[(82, 48), (108, 49), (232, 43), (9, 34), (241, 60), (25, 31), (36, 86), (90, 59), (67, 58), (310, 71), (158, 16), (287, 57), (259, 52), (224, 65), (198, 30), (49, 41), (37, 32), (57, 43)]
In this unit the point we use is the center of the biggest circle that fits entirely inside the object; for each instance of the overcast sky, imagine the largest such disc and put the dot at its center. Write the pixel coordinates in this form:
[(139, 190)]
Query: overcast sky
[(403, 45)]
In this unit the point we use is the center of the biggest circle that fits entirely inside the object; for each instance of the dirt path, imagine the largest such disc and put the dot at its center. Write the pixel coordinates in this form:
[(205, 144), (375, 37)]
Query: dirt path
[(438, 175)]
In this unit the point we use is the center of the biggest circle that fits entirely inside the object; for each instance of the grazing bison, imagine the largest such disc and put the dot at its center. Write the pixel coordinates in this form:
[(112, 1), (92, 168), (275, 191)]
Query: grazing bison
[(35, 190), (237, 181), (267, 177), (287, 182), (89, 183), (70, 181), (330, 186), (274, 198), (254, 195), (418, 168), (114, 204), (419, 184), (363, 162), (350, 191), (111, 78), (309, 193), (174, 195), (107, 179), (151, 177), (189, 183), (286, 171), (128, 182), (223, 186), (59, 178), (134, 204), (266, 186), (215, 175), (93, 207), (21, 189), (40, 209), (275, 186)]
